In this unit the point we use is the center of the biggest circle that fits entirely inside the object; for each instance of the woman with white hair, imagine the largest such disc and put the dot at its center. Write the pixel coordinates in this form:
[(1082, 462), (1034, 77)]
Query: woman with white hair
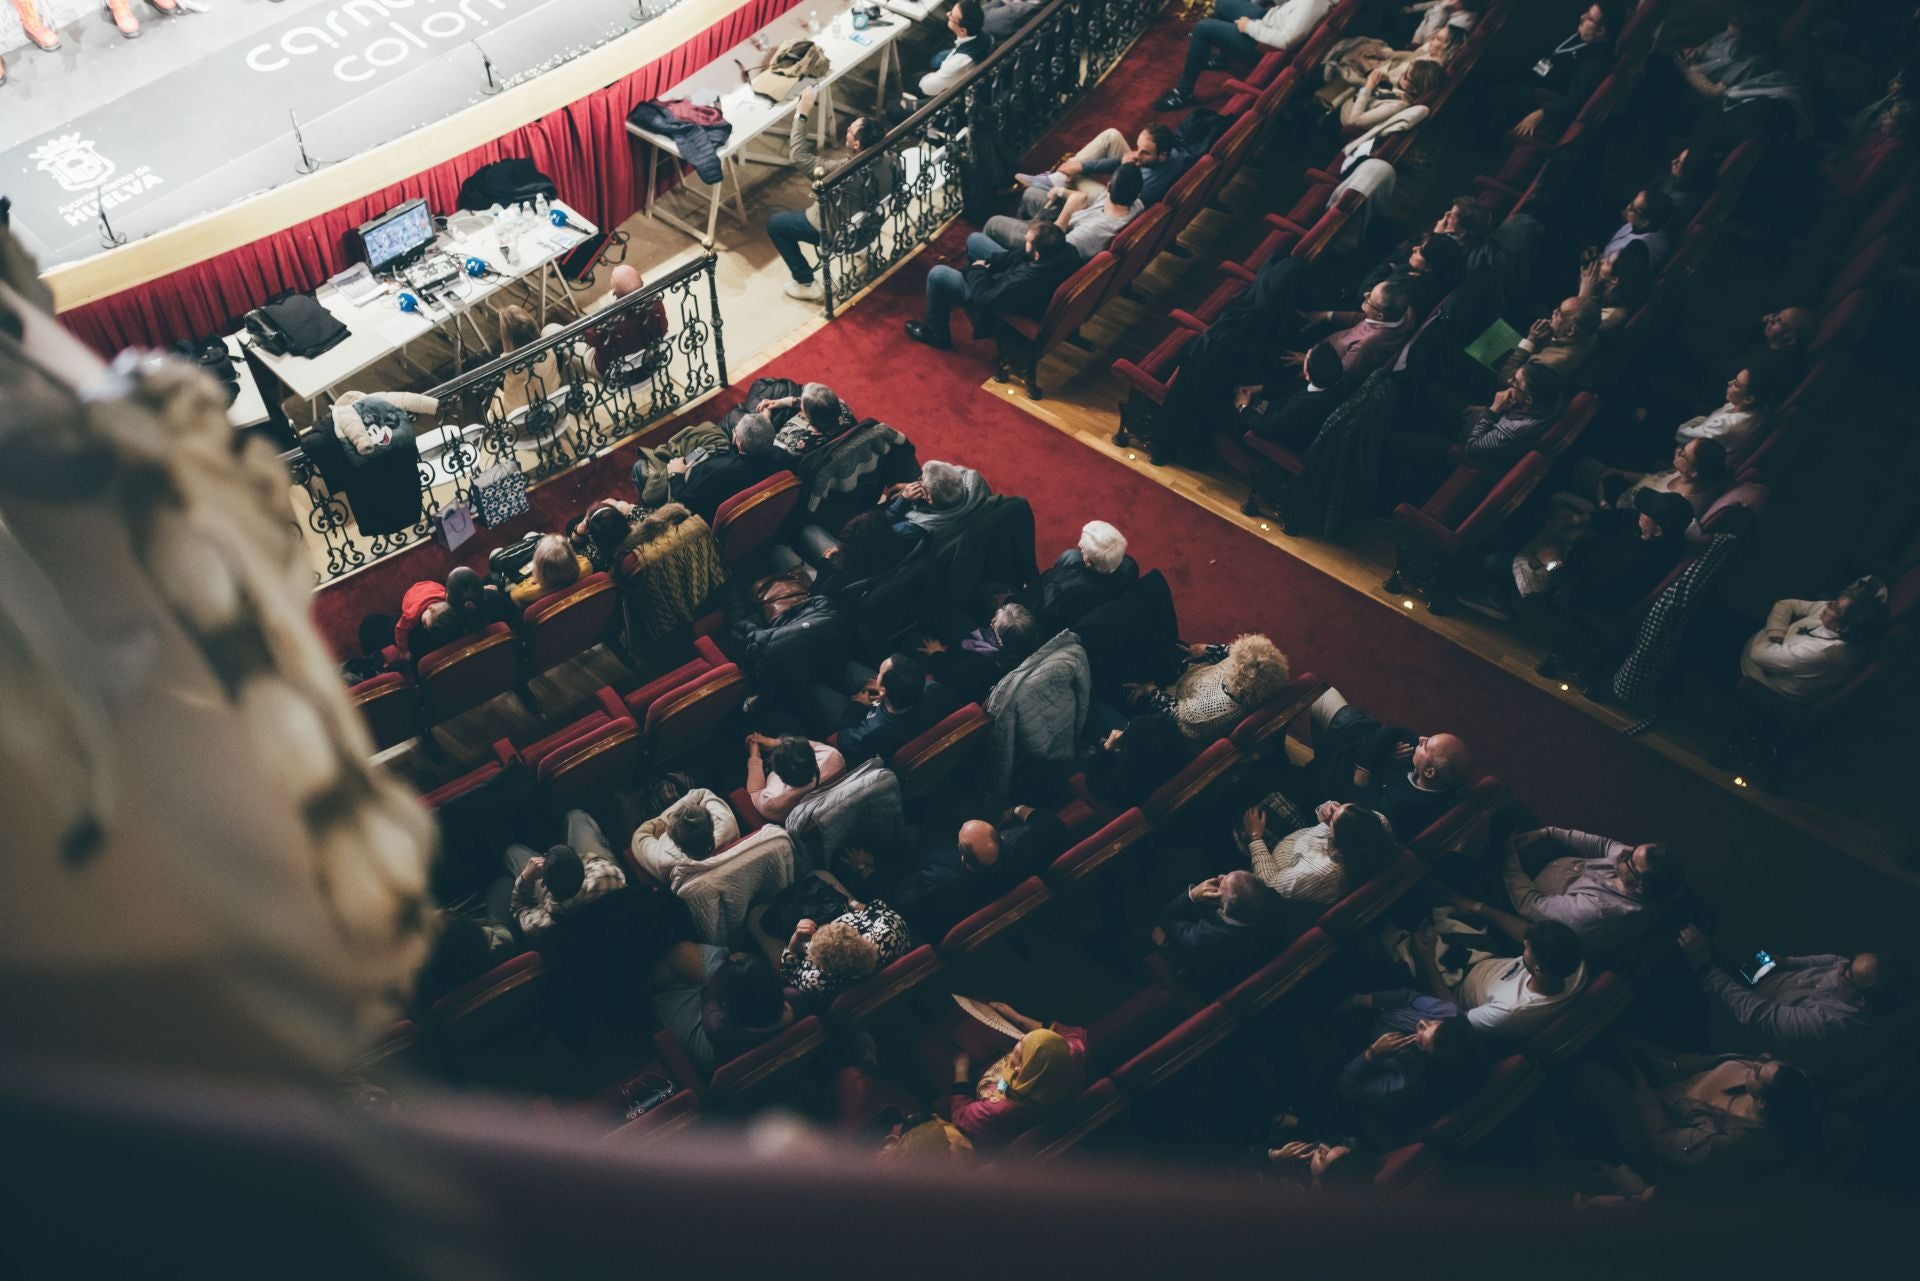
[(985, 654), (555, 565), (936, 505), (1085, 577), (1223, 684)]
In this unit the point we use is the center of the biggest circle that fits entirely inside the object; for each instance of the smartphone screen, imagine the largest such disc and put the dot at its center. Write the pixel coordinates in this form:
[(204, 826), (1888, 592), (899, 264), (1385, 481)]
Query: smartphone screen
[(1761, 966)]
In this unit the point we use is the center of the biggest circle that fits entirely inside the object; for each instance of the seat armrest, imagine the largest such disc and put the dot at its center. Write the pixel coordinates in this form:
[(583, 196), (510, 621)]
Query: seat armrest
[(1187, 320), (1424, 526)]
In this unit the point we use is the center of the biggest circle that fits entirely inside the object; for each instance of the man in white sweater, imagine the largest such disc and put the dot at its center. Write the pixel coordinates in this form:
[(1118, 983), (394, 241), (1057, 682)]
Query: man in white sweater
[(1242, 28), (1809, 648)]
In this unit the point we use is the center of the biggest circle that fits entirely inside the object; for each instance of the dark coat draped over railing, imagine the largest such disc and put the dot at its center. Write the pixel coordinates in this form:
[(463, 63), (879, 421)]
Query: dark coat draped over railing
[(548, 406), (969, 137)]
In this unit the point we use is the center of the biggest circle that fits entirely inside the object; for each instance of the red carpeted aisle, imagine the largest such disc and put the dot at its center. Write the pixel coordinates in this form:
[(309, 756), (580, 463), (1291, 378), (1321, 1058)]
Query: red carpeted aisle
[(1567, 767)]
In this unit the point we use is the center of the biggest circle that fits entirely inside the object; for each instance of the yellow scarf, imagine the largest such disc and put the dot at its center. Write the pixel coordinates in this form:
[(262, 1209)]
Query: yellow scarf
[(1047, 1075)]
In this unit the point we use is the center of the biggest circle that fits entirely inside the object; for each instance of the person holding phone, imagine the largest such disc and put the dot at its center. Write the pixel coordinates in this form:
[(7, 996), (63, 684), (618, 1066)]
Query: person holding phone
[(1831, 1015)]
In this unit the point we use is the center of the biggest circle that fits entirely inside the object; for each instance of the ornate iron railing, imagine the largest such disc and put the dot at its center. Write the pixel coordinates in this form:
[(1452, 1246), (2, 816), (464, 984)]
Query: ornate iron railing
[(869, 221), (547, 407)]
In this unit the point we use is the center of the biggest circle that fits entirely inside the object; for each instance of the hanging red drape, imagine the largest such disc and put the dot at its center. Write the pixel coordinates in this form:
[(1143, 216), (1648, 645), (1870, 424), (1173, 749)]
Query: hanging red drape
[(583, 147)]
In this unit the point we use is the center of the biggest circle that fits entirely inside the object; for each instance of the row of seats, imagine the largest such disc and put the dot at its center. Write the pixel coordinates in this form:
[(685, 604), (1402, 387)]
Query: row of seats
[(406, 702), (1255, 111)]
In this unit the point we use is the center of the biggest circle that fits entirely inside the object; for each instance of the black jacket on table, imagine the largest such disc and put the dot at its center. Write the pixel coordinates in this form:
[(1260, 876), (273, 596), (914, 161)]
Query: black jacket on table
[(1013, 284)]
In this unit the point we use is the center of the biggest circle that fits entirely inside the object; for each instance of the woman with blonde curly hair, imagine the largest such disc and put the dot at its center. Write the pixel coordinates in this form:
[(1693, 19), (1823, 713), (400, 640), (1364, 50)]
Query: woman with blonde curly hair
[(825, 960), (1222, 684)]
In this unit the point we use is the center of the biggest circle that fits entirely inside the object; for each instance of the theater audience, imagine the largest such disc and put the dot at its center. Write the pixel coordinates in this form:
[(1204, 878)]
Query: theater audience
[(984, 863), (1090, 220), (1494, 436), (1410, 779), (1809, 648), (1620, 284), (475, 603), (1741, 51), (705, 480), (1417, 1060), (1831, 1015), (1293, 418), (607, 532), (1567, 75), (1428, 267), (869, 546), (555, 566), (1599, 888), (687, 831), (424, 610), (735, 1006), (1384, 95), (1699, 474), (996, 281), (822, 961), (1046, 1068), (818, 416), (540, 378), (1625, 554), (1369, 338), (937, 505), (1154, 153), (1736, 424), (623, 344), (985, 654), (1563, 341), (1217, 932), (783, 771), (1241, 28), (1436, 15), (1354, 58), (1323, 862), (868, 189), (1723, 1120), (1220, 685), (1645, 220), (1504, 997), (548, 887), (899, 703), (1085, 577), (971, 45), (1131, 762)]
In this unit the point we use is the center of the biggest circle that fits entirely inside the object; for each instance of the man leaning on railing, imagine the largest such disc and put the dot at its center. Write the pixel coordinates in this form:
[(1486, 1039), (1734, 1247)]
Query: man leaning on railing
[(866, 191)]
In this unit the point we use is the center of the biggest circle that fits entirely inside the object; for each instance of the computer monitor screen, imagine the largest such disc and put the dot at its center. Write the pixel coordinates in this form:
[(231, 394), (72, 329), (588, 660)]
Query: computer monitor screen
[(397, 234)]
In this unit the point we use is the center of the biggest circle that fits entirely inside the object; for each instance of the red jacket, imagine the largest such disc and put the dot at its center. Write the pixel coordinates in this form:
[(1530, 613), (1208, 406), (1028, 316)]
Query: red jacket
[(412, 605)]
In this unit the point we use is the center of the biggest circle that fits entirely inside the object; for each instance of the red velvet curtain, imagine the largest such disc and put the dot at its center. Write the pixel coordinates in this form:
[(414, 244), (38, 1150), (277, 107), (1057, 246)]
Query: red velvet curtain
[(584, 148)]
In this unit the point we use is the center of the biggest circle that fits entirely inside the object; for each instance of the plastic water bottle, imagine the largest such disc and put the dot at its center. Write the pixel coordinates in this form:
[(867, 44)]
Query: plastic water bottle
[(813, 22)]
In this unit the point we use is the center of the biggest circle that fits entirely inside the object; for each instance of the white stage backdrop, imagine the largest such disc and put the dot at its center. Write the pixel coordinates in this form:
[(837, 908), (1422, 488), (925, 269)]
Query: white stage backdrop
[(216, 128)]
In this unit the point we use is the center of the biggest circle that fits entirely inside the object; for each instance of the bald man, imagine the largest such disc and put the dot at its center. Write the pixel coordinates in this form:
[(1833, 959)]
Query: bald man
[(984, 863), (1411, 778), (636, 330)]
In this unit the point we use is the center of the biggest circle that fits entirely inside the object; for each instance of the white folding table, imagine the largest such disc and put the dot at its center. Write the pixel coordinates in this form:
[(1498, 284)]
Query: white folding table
[(378, 328), (751, 115)]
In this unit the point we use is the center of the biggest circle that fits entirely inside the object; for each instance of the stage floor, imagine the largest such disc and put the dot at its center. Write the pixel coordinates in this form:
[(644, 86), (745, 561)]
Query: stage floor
[(199, 111)]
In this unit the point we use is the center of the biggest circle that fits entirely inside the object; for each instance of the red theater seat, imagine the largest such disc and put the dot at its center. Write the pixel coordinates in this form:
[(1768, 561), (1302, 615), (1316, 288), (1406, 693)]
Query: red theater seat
[(569, 622), (753, 517)]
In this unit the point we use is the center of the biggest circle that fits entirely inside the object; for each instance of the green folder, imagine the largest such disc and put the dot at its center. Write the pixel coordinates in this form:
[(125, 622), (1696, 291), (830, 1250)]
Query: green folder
[(1492, 347)]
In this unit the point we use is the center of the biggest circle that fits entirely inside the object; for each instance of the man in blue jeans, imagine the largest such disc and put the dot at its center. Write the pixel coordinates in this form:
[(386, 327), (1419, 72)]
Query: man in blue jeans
[(865, 190), (1241, 28), (1017, 282)]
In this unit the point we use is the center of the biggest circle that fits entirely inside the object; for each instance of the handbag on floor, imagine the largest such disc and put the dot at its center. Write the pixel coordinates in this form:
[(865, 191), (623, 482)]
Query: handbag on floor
[(500, 494)]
